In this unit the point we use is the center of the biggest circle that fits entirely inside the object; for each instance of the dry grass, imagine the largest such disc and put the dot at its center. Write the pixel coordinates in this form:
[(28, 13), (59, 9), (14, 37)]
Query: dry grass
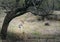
[(31, 26)]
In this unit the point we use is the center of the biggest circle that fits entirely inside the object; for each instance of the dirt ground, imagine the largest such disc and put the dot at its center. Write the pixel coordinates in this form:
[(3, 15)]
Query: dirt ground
[(28, 26)]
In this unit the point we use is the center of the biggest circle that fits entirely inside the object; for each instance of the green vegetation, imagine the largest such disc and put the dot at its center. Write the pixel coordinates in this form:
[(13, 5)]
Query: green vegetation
[(13, 2), (36, 33)]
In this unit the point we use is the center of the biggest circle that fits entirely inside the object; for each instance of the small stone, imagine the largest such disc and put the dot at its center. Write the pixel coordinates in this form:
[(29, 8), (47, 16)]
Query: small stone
[(46, 24)]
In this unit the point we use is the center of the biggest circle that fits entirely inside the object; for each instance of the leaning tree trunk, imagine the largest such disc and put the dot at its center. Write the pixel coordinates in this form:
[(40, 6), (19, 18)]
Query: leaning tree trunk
[(8, 18), (5, 26)]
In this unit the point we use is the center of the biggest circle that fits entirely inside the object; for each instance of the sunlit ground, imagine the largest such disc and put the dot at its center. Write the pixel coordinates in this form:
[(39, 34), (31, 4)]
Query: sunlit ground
[(27, 26)]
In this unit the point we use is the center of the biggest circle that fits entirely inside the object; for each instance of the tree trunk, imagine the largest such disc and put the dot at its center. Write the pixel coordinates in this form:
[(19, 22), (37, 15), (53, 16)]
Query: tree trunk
[(8, 18), (5, 26)]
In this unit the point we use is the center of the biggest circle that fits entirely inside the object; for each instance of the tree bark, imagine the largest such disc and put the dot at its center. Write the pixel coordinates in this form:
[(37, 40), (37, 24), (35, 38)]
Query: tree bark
[(8, 18)]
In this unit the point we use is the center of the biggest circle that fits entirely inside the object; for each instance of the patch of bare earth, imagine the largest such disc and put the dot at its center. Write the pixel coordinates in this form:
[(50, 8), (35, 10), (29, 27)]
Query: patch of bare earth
[(27, 26)]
